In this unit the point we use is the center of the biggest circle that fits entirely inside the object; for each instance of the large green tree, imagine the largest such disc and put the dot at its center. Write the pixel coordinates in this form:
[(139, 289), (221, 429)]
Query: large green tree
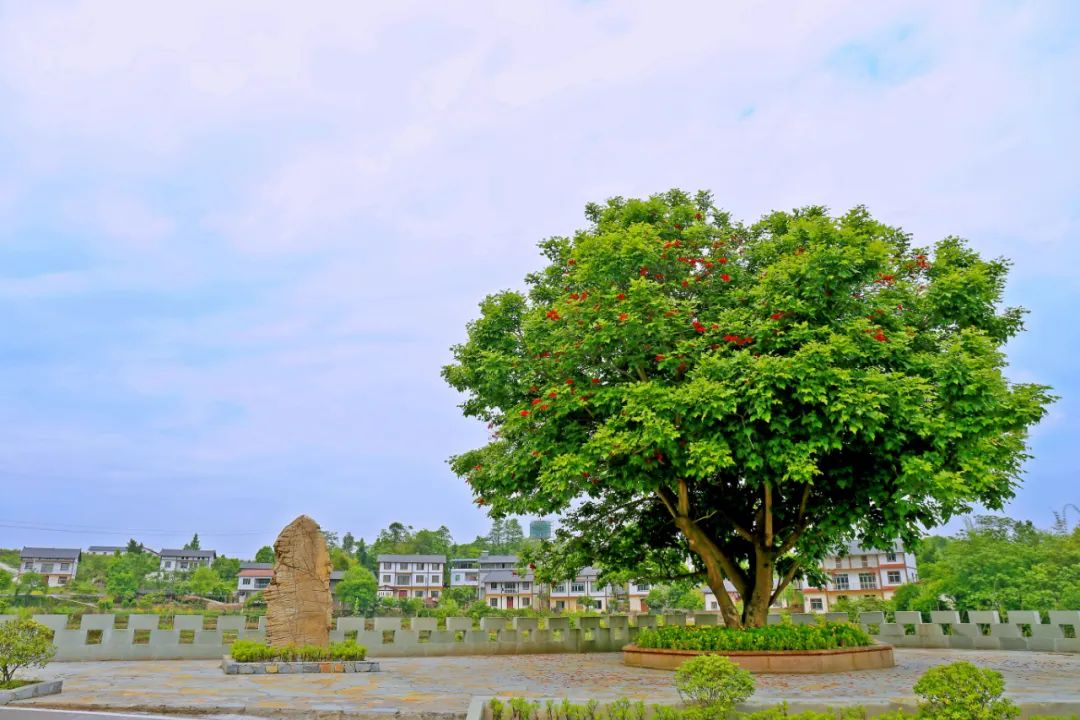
[(358, 589), (756, 395)]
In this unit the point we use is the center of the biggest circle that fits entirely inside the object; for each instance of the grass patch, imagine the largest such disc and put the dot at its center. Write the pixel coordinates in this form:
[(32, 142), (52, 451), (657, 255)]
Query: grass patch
[(16, 684), (824, 636), (252, 651)]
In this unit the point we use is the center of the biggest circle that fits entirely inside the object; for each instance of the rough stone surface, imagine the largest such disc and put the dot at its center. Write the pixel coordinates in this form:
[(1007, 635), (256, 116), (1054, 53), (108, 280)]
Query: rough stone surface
[(298, 604)]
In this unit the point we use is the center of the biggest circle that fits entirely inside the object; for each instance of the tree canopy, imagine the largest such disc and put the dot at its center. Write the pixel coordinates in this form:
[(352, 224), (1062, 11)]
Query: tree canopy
[(757, 395)]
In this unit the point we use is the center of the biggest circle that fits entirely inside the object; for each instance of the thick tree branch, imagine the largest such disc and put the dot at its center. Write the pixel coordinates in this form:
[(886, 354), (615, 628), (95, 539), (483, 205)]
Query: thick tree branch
[(785, 581)]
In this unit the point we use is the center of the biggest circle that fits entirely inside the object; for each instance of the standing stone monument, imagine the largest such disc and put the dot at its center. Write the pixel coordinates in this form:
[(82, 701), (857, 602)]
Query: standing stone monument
[(298, 597)]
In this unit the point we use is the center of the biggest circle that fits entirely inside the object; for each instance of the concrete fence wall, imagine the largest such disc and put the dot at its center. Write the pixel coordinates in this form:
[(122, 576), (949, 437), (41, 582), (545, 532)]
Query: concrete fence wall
[(97, 638), (984, 630)]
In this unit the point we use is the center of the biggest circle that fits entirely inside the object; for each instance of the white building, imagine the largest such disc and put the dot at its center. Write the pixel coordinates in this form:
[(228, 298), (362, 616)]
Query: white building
[(860, 573), (57, 566), (411, 576), (471, 572), (253, 578), (173, 561)]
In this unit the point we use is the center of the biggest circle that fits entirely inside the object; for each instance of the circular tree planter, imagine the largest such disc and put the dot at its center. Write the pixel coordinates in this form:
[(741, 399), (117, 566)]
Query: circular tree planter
[(872, 657)]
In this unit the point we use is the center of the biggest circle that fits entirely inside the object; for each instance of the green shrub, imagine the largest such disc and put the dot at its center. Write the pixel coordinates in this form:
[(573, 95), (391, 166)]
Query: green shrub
[(823, 636), (713, 681), (23, 643), (251, 651), (961, 691)]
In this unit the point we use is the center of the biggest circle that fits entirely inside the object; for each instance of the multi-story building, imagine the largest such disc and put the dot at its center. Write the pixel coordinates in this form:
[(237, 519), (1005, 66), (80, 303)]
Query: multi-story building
[(510, 590), (861, 573), (411, 576), (253, 578), (636, 592), (173, 561), (584, 592), (57, 566), (470, 572)]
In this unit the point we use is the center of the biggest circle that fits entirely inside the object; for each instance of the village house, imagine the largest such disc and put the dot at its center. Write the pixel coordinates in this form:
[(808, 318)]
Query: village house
[(57, 566), (173, 561), (861, 573), (411, 576)]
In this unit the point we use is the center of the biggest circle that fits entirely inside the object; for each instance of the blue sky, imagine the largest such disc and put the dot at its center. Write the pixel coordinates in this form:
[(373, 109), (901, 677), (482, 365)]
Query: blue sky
[(236, 244)]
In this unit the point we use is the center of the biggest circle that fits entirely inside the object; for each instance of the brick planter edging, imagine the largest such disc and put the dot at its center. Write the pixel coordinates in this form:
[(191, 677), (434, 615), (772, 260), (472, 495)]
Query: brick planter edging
[(872, 657), (232, 667), (51, 687)]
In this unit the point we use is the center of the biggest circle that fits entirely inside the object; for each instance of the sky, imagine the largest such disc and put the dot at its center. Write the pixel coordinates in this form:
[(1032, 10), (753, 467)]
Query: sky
[(237, 240)]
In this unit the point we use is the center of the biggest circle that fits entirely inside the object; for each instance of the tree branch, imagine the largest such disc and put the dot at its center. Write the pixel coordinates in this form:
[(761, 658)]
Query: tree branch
[(785, 581), (800, 523), (768, 516)]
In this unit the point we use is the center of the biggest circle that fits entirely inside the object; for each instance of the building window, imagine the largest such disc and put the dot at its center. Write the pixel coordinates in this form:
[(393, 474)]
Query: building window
[(560, 588), (457, 578), (168, 564), (61, 580), (842, 582), (865, 560), (525, 587), (525, 602), (402, 580), (65, 567), (28, 565), (494, 602), (867, 581), (894, 577), (46, 568), (713, 605), (839, 563), (419, 579), (436, 580), (643, 587), (434, 593), (245, 581), (890, 557), (578, 587), (387, 566), (817, 604), (419, 593), (403, 566), (386, 579)]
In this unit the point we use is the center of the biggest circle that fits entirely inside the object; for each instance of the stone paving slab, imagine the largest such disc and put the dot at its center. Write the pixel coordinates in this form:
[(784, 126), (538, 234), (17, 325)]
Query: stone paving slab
[(442, 687)]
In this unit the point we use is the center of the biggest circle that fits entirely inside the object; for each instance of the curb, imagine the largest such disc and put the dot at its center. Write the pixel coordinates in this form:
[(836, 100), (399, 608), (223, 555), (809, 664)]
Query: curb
[(39, 689)]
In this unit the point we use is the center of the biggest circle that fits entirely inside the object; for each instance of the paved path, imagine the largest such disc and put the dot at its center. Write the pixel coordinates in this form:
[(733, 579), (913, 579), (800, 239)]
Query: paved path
[(444, 686)]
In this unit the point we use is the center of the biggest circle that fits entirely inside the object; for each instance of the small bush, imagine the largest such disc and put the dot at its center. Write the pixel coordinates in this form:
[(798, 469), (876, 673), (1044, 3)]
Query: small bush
[(713, 681), (823, 636), (961, 691), (251, 651), (24, 643)]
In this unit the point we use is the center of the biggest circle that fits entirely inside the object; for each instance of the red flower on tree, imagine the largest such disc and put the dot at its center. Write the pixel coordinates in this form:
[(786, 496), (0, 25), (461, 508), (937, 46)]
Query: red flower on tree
[(524, 413), (725, 277), (596, 380), (623, 316), (659, 358), (697, 216), (722, 260), (621, 296), (643, 271), (536, 401), (553, 315), (776, 316), (553, 395)]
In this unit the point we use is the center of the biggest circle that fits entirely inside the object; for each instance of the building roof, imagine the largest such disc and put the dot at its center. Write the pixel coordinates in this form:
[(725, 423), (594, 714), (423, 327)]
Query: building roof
[(256, 572), (855, 549), (256, 566), (106, 548), (209, 554), (336, 575), (507, 576), (50, 553), (511, 559), (412, 558)]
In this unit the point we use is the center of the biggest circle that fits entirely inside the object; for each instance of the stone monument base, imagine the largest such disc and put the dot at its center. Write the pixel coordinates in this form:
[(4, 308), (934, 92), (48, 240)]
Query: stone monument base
[(277, 667)]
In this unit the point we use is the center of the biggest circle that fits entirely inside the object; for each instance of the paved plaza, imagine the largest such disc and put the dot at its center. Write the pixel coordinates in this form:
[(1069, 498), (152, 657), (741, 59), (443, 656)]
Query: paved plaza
[(445, 686)]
